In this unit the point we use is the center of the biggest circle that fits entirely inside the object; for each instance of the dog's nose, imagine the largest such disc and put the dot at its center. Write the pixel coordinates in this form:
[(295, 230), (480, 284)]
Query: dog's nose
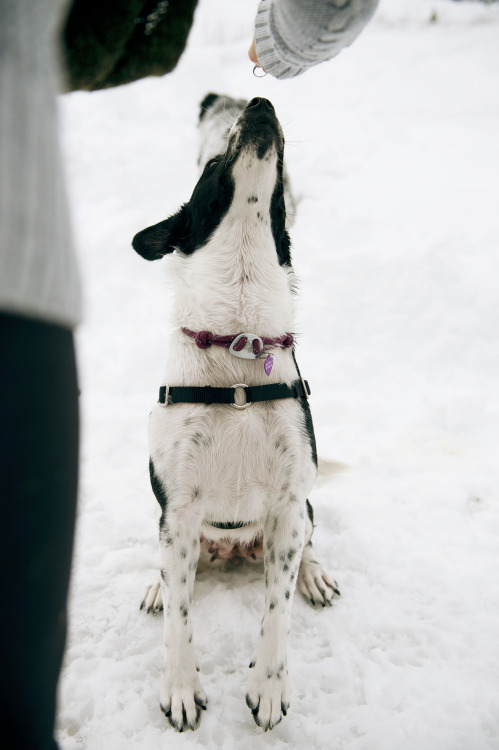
[(259, 101)]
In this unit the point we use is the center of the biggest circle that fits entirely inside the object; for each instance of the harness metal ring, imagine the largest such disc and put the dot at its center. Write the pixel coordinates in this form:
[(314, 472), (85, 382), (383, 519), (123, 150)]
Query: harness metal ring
[(243, 406)]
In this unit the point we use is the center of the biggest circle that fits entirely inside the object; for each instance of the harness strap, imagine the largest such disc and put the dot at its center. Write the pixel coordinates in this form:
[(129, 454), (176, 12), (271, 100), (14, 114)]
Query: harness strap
[(211, 395)]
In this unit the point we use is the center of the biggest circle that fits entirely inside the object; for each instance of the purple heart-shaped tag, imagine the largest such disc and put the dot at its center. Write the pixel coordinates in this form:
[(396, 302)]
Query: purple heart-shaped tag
[(268, 364)]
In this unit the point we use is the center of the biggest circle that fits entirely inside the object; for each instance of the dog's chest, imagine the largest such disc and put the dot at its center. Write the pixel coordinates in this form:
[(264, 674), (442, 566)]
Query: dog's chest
[(232, 463), (225, 290)]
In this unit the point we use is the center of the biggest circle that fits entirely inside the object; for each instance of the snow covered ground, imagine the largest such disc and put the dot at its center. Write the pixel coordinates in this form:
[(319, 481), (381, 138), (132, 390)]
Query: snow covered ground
[(393, 152)]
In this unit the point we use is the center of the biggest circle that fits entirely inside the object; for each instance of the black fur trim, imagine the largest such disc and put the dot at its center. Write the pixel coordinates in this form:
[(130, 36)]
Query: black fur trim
[(157, 487), (310, 512)]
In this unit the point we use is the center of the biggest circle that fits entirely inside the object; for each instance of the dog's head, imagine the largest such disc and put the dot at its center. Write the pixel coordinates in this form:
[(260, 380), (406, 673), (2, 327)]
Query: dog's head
[(244, 182)]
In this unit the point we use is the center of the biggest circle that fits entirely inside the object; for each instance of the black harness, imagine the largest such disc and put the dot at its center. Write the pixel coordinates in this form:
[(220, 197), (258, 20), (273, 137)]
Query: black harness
[(211, 395)]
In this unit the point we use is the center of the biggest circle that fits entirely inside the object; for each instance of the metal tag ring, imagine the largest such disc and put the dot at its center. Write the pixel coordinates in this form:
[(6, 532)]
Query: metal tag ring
[(237, 406)]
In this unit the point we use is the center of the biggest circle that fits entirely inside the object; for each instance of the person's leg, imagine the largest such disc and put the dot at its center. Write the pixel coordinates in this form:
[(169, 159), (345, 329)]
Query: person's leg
[(38, 488)]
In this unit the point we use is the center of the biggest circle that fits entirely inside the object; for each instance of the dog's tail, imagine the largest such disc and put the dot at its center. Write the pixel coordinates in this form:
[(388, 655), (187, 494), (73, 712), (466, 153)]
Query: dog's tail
[(328, 468)]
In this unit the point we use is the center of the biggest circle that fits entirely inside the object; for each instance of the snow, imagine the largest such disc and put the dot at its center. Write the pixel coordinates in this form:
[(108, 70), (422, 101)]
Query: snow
[(393, 153)]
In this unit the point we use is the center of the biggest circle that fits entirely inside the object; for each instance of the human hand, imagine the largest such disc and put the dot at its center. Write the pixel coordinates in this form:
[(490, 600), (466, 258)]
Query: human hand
[(253, 56)]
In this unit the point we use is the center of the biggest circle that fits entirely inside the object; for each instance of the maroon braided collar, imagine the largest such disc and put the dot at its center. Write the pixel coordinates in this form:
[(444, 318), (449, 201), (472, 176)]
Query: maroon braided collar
[(240, 342)]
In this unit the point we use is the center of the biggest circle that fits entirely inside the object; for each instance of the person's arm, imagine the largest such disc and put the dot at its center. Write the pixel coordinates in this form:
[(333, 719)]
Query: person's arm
[(292, 36)]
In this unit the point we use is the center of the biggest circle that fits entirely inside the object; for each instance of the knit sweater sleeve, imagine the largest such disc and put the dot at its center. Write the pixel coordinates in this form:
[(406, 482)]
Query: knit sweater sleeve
[(38, 274), (294, 35)]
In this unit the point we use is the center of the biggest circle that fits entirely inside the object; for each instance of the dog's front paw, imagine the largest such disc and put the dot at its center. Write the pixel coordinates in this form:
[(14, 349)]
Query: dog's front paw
[(316, 584), (182, 703), (267, 697)]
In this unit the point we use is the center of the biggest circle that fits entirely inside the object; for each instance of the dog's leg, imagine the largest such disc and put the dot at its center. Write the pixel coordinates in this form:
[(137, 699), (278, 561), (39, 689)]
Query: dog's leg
[(314, 582), (182, 696), (283, 536)]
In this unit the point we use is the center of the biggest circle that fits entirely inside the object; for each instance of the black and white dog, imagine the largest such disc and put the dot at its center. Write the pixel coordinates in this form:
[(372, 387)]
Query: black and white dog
[(232, 446)]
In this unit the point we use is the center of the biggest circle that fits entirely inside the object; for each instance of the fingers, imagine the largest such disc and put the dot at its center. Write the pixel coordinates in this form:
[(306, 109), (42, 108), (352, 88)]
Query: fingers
[(254, 57)]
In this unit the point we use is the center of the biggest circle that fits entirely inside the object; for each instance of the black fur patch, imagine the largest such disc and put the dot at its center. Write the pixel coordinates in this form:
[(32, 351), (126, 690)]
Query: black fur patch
[(278, 221), (309, 426), (229, 525), (307, 415), (310, 512), (157, 487)]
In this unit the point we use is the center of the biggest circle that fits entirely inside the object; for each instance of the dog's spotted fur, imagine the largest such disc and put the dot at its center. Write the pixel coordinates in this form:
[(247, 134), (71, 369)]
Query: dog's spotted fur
[(215, 464)]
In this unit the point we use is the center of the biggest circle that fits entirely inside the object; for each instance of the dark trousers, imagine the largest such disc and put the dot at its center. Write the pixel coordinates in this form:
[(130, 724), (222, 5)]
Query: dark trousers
[(38, 487)]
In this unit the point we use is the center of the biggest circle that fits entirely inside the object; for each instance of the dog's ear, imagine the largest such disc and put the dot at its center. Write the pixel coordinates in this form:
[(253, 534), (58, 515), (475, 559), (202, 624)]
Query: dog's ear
[(206, 104), (156, 241)]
